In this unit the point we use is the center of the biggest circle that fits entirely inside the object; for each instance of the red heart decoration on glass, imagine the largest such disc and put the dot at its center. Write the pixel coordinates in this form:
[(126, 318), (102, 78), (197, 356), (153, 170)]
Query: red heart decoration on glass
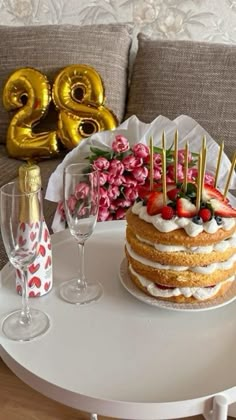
[(19, 289), (32, 236), (42, 250), (48, 262), (35, 281), (33, 268), (22, 226), (46, 235), (21, 241), (47, 286)]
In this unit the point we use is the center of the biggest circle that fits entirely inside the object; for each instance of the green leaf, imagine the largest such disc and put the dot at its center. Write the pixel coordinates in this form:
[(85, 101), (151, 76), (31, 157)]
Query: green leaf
[(170, 148), (191, 188), (157, 149), (98, 151), (108, 154), (192, 164)]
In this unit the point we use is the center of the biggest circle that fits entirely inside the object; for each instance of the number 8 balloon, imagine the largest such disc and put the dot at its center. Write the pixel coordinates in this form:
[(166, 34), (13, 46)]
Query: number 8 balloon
[(29, 91), (78, 94)]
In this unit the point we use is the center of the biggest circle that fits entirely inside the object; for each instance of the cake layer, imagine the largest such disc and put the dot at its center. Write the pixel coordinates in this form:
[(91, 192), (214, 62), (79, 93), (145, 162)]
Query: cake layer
[(178, 236), (181, 276), (147, 250), (180, 295)]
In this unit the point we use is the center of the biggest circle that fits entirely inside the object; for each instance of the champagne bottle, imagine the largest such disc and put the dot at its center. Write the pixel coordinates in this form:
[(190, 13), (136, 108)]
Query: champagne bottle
[(39, 273)]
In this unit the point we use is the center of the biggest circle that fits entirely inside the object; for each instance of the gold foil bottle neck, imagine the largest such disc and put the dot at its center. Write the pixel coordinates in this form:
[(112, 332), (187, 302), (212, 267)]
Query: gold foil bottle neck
[(29, 178), (30, 182)]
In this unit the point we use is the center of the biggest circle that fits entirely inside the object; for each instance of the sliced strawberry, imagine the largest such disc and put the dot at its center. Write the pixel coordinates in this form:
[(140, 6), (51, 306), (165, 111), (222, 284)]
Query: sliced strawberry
[(155, 203), (185, 208), (144, 190), (169, 185), (173, 193), (209, 192), (222, 209)]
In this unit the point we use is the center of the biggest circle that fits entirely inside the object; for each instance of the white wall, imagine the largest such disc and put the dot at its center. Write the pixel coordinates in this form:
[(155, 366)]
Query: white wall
[(207, 20)]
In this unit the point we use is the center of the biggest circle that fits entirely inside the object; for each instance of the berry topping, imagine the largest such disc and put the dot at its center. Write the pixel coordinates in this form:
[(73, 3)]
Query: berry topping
[(205, 214), (185, 208), (155, 203), (173, 193), (144, 192), (167, 212), (161, 286), (219, 220), (209, 192), (198, 220), (222, 208)]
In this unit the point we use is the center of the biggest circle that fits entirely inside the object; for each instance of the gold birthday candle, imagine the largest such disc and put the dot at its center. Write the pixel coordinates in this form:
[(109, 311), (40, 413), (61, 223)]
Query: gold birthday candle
[(221, 149), (164, 175), (186, 166), (176, 139), (203, 160), (199, 182), (227, 185), (151, 162), (163, 140)]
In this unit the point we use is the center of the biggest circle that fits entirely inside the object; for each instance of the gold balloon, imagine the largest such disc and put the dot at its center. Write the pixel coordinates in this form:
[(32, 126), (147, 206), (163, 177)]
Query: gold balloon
[(28, 91), (78, 94)]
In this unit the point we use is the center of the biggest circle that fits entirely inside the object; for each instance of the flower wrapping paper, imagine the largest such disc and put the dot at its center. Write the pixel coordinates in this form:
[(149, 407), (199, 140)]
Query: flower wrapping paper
[(138, 132)]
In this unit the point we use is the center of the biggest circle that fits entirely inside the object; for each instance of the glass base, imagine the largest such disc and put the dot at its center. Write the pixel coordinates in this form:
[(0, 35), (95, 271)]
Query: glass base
[(72, 293), (13, 329)]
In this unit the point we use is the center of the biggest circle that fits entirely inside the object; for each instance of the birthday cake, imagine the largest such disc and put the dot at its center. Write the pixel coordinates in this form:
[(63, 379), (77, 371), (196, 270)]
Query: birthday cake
[(182, 247)]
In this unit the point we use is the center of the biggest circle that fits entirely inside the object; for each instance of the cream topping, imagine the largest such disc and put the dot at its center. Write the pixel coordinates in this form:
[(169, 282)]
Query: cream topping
[(199, 293), (220, 247), (207, 269), (192, 229)]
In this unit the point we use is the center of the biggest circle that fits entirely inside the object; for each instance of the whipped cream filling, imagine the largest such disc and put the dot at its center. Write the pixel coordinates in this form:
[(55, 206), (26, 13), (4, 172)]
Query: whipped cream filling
[(208, 269), (199, 293), (191, 228), (220, 247)]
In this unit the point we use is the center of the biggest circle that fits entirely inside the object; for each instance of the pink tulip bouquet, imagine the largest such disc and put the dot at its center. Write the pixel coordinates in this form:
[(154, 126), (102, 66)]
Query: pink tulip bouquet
[(124, 169)]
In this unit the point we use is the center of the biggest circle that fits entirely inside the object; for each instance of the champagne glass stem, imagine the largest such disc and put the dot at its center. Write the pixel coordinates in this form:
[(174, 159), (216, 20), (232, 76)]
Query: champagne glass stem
[(81, 280), (25, 315)]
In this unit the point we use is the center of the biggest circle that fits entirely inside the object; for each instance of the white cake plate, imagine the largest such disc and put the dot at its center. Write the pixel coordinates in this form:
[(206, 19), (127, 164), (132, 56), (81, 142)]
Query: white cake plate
[(120, 357)]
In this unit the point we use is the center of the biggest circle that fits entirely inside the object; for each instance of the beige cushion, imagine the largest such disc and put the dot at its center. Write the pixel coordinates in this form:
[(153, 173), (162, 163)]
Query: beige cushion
[(183, 77), (50, 48)]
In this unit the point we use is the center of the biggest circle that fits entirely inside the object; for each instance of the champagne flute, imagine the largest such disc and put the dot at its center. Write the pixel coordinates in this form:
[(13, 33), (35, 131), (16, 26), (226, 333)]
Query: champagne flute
[(21, 219), (81, 201)]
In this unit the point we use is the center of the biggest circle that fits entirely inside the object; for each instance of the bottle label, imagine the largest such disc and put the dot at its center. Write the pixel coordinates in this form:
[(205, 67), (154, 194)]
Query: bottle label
[(39, 273)]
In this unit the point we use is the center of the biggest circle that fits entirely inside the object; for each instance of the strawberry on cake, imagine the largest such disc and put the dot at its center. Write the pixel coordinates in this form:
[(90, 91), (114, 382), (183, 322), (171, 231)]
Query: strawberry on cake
[(178, 252)]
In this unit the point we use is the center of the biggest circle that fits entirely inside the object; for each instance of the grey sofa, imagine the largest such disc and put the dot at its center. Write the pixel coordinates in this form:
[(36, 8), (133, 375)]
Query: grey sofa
[(168, 78)]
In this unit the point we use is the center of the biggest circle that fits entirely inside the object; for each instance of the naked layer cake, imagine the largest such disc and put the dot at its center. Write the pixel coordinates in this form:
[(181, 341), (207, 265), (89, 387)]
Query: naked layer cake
[(178, 253)]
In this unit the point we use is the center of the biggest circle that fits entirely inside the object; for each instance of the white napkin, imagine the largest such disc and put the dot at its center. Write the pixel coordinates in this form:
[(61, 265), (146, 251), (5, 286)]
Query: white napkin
[(138, 132)]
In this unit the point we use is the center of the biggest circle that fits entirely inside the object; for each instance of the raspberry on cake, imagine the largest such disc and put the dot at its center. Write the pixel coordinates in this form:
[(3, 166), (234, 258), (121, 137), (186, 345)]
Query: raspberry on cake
[(182, 247)]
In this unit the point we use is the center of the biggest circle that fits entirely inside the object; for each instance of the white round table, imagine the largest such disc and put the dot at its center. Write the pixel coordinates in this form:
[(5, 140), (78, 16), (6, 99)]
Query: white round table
[(120, 357)]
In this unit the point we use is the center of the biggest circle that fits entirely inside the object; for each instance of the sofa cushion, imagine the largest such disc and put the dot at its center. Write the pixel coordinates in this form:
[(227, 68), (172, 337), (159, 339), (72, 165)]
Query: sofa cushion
[(184, 77), (50, 48), (9, 167)]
